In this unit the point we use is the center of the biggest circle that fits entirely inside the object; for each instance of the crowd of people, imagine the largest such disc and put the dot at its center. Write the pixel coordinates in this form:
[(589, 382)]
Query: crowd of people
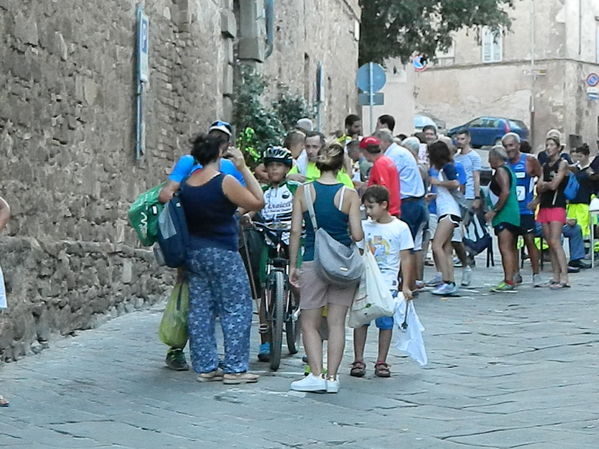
[(396, 196)]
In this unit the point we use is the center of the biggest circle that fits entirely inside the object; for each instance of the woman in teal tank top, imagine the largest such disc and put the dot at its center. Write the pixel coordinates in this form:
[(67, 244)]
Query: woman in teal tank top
[(504, 215), (337, 210)]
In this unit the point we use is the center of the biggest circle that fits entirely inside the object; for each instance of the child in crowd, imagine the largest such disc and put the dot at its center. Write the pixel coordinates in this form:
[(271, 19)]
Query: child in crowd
[(278, 206), (390, 241)]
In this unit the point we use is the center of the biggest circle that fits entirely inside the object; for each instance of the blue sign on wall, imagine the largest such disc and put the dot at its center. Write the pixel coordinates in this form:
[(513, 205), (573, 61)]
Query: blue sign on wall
[(143, 67)]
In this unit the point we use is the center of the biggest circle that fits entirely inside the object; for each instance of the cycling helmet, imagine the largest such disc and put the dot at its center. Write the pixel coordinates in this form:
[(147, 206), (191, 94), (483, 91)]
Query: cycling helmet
[(277, 154)]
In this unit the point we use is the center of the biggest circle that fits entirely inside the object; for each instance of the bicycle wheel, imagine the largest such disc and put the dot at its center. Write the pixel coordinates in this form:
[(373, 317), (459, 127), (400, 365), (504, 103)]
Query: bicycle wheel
[(277, 309), (292, 328)]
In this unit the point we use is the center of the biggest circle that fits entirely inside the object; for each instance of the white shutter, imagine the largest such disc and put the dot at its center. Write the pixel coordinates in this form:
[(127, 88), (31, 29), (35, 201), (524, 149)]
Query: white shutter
[(492, 45)]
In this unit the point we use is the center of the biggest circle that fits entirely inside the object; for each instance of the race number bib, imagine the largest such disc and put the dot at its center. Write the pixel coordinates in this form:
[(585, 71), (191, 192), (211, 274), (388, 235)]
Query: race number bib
[(521, 193)]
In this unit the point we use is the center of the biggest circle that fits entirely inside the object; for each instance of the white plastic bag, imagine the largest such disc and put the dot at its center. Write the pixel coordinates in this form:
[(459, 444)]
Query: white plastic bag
[(373, 298), (409, 339), (2, 291)]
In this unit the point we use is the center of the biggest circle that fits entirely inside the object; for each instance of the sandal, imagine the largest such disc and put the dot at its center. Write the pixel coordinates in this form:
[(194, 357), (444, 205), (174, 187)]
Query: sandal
[(358, 369), (381, 369), (558, 285), (240, 378)]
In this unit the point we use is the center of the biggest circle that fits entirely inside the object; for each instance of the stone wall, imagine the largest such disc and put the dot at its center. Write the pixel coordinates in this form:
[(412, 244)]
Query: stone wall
[(67, 164), (310, 32), (59, 287)]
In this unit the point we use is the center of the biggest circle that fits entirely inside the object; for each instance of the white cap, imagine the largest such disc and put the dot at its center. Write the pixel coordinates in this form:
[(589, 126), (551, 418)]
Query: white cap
[(221, 126)]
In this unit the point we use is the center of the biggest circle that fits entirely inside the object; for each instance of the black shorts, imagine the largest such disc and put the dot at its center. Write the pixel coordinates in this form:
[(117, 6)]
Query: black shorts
[(455, 219), (510, 227), (527, 224)]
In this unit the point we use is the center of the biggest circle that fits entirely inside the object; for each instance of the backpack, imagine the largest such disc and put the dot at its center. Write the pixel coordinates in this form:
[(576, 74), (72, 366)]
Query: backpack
[(477, 237), (572, 187), (143, 215), (173, 235)]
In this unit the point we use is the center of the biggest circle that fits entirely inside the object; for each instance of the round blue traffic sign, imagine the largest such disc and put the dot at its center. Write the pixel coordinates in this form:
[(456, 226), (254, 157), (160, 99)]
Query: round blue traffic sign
[(593, 79), (420, 63), (371, 71)]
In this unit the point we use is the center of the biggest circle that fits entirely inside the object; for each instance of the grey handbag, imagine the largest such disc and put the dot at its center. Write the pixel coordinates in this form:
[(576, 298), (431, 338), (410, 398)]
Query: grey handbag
[(336, 263)]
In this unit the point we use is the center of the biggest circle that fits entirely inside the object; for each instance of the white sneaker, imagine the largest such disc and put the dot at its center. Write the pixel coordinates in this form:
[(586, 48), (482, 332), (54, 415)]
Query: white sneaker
[(537, 280), (466, 276), (436, 281), (332, 385), (310, 383), (445, 289)]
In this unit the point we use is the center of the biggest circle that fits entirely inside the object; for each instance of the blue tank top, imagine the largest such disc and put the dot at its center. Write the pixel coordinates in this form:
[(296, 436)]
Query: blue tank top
[(328, 217), (210, 215), (525, 184)]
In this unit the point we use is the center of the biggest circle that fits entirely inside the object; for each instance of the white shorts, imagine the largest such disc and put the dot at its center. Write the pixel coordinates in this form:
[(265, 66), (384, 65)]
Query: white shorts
[(419, 238), (432, 225), (458, 234)]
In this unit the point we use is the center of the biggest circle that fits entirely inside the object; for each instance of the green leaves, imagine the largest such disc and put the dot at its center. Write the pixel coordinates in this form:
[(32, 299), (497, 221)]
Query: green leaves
[(400, 28), (263, 126)]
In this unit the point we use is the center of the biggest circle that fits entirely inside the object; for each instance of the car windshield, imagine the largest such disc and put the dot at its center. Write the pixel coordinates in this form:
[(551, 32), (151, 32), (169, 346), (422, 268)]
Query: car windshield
[(420, 121), (517, 124)]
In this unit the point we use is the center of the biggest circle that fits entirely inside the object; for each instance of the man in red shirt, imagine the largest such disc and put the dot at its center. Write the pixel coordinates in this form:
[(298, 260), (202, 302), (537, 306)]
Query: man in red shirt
[(383, 172)]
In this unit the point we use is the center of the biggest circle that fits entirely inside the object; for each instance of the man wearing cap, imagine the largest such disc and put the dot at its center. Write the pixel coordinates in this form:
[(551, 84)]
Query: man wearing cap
[(185, 166), (383, 171)]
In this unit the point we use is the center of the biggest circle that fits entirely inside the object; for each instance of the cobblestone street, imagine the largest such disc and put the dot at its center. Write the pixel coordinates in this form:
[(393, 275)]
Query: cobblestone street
[(505, 371)]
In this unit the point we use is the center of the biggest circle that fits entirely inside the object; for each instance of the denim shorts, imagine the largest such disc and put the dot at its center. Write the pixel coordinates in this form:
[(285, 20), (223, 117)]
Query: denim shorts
[(385, 323)]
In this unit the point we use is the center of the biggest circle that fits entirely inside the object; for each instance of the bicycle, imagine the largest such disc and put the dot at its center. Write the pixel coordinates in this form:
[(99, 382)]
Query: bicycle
[(279, 300)]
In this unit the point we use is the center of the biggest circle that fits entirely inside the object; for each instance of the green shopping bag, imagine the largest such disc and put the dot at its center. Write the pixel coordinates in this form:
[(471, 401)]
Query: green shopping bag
[(173, 326), (143, 215)]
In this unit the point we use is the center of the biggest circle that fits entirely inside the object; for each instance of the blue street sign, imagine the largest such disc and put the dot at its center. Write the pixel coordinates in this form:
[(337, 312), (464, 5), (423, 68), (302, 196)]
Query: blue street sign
[(593, 79), (143, 67), (420, 63), (368, 83), (378, 99)]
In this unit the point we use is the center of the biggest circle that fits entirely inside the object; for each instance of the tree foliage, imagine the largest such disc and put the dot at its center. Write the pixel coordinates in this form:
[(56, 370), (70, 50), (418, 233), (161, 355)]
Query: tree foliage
[(400, 28), (260, 125)]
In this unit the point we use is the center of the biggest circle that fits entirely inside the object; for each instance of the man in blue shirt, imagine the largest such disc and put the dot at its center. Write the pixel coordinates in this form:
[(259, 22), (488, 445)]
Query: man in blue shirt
[(185, 166)]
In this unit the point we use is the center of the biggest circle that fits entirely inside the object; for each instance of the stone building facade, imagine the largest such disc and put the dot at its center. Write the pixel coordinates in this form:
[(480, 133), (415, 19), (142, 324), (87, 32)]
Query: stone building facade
[(67, 132), (480, 75)]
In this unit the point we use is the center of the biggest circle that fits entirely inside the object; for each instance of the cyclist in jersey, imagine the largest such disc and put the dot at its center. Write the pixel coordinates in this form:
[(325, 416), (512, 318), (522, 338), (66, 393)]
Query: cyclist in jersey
[(278, 207), (527, 169)]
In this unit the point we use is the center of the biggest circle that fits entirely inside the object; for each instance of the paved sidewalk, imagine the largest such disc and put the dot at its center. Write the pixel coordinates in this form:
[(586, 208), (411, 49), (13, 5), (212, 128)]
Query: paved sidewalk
[(505, 371)]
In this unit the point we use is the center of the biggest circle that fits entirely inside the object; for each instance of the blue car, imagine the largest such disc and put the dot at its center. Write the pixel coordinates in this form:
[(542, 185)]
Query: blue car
[(488, 131)]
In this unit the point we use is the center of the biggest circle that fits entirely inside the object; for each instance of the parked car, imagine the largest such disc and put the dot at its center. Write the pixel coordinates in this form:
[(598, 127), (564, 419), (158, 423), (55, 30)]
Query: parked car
[(488, 131)]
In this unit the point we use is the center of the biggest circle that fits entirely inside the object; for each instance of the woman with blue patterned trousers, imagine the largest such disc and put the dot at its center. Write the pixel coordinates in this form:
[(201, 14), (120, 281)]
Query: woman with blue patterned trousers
[(218, 283)]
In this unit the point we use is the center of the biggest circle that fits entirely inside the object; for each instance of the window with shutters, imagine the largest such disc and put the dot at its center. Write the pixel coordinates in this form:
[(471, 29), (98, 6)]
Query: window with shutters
[(492, 45)]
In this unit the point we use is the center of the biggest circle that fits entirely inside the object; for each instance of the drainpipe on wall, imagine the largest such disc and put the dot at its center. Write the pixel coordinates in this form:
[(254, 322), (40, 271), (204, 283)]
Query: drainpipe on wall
[(269, 10), (533, 76)]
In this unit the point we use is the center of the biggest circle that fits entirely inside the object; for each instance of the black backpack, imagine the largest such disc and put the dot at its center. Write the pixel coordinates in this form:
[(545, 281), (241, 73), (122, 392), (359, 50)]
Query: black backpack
[(477, 237)]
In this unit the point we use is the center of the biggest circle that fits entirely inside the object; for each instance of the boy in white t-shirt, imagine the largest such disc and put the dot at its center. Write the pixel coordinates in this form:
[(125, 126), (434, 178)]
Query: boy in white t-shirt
[(390, 240)]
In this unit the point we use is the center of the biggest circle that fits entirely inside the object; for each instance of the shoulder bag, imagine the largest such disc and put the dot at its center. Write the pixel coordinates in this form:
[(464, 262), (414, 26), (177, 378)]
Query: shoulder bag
[(336, 263)]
